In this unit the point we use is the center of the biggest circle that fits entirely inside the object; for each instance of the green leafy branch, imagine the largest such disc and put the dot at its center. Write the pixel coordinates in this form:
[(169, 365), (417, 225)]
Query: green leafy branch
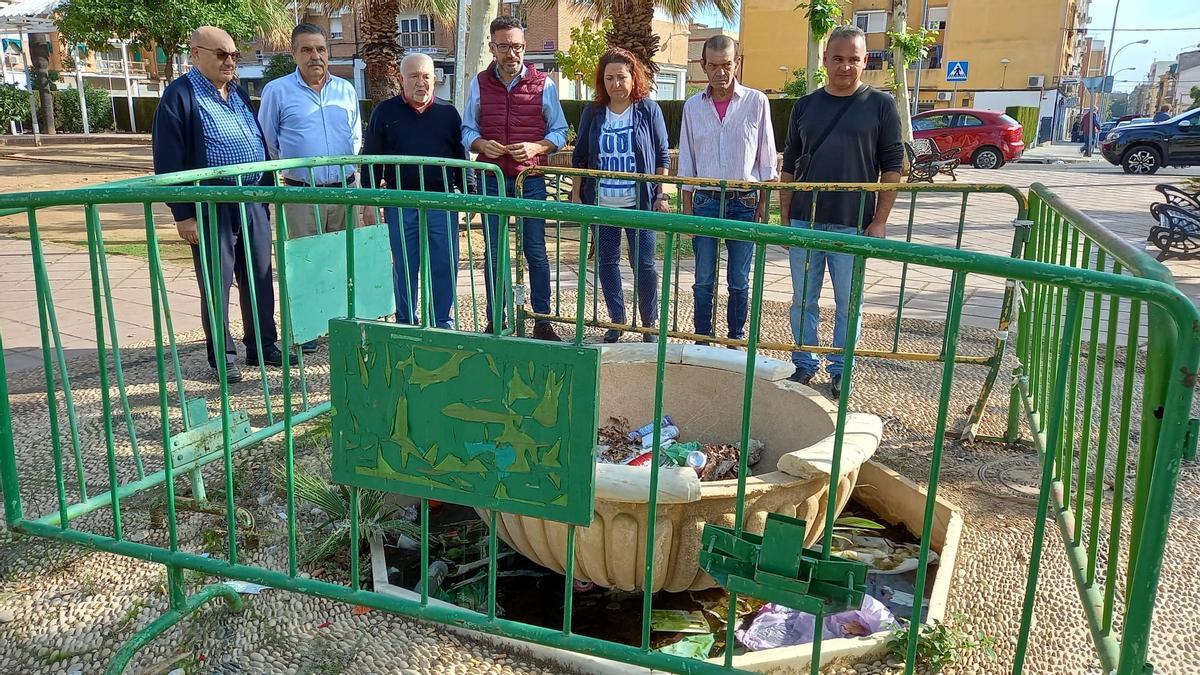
[(914, 45), (940, 645), (822, 16)]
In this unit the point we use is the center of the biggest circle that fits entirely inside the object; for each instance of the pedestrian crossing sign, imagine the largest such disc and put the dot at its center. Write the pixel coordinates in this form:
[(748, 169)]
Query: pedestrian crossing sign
[(956, 71)]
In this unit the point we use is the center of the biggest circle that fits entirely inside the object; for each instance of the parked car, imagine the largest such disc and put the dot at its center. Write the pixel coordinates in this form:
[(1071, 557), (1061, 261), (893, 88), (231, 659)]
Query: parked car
[(1145, 148), (985, 139)]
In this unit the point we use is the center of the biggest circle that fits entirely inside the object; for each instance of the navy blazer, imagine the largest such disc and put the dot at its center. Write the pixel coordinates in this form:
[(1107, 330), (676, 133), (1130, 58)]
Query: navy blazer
[(178, 138), (649, 143)]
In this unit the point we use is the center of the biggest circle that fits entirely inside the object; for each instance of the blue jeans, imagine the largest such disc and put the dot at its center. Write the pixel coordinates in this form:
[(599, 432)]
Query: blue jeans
[(641, 259), (737, 274), (806, 310), (533, 244), (406, 262)]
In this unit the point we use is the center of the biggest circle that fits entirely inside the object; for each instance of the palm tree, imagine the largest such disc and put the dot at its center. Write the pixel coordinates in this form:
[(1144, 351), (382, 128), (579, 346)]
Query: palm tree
[(380, 47), (632, 21)]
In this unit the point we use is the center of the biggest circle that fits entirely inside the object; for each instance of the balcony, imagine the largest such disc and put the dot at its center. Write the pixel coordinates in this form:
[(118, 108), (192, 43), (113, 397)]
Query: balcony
[(114, 67)]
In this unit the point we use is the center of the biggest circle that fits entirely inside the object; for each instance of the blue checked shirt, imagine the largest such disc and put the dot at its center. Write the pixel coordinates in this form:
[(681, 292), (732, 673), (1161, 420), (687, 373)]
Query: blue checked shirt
[(231, 134)]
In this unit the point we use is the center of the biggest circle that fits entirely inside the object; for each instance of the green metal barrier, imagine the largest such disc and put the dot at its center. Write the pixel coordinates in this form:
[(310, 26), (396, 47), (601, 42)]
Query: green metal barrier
[(1067, 259), (559, 183)]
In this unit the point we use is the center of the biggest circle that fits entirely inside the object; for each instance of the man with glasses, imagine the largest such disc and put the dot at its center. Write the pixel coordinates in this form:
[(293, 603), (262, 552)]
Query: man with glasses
[(727, 134), (205, 120), (311, 113), (511, 118)]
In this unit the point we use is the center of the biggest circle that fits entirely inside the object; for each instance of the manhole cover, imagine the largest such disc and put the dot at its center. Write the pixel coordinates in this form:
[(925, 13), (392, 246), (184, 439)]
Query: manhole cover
[(1012, 477)]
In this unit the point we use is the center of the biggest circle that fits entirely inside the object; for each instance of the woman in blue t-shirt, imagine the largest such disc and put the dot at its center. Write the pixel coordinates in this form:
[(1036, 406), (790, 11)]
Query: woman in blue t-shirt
[(623, 131)]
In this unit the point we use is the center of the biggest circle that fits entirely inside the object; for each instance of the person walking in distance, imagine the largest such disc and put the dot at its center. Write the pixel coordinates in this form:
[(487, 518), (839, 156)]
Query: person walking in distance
[(205, 120), (623, 130), (726, 133), (512, 118), (845, 132)]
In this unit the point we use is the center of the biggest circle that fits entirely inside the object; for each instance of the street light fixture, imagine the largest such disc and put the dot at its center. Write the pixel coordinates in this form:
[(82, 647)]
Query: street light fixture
[(784, 70), (1004, 73)]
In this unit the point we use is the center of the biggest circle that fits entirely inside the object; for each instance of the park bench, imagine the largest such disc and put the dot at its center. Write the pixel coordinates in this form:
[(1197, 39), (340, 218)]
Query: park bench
[(1176, 196), (1177, 233), (926, 160)]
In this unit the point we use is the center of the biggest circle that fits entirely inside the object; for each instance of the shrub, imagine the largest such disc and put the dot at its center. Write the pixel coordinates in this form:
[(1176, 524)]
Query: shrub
[(68, 117), (14, 105)]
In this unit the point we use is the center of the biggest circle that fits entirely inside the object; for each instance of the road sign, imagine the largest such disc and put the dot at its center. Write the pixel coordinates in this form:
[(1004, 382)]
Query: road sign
[(1068, 80), (956, 71)]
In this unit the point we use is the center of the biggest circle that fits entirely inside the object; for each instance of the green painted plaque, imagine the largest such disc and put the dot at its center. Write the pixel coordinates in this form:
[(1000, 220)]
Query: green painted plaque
[(497, 423), (316, 279)]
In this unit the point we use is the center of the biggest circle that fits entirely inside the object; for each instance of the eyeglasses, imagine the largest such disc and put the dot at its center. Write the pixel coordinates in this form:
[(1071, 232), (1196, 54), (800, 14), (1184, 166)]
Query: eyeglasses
[(221, 54), (508, 47)]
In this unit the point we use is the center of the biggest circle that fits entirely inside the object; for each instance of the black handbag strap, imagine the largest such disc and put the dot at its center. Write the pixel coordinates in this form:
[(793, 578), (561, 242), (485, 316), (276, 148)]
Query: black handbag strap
[(836, 118)]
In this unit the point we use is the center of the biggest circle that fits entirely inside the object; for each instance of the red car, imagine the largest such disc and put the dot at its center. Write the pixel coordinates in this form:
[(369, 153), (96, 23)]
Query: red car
[(984, 139)]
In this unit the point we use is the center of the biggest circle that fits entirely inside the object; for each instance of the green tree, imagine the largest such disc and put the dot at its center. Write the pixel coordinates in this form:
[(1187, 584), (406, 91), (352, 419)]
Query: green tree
[(148, 23), (588, 43), (822, 18), (277, 67), (14, 105), (797, 83), (1195, 92)]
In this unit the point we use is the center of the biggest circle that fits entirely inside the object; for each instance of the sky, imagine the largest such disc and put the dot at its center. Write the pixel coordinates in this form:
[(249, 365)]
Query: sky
[(1164, 45), (1183, 16)]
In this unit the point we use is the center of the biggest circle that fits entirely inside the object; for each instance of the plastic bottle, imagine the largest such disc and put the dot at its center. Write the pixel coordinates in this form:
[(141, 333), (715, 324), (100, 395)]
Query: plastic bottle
[(638, 434), (669, 432)]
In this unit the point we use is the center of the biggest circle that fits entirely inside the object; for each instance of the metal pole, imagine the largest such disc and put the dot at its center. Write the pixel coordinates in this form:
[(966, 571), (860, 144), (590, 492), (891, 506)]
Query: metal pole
[(460, 55), (33, 94), (917, 77), (128, 86), (1112, 35), (82, 94), (12, 124)]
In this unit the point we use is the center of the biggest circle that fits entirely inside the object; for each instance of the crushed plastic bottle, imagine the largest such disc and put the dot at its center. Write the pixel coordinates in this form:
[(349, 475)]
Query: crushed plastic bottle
[(641, 433), (667, 433)]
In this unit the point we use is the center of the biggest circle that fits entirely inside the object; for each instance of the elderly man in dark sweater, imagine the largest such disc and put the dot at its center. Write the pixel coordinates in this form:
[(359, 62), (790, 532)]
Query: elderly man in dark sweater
[(205, 120), (845, 132), (416, 124)]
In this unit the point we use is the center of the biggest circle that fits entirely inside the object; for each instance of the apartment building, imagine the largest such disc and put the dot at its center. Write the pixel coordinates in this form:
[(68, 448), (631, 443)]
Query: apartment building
[(1017, 51), (698, 33)]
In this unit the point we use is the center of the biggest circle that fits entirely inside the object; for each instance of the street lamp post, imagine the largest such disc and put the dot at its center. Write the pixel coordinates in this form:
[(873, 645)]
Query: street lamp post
[(1003, 72), (784, 70)]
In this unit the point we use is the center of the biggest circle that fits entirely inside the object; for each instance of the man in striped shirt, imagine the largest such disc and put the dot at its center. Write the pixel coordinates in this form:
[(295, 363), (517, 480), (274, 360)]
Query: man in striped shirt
[(726, 134)]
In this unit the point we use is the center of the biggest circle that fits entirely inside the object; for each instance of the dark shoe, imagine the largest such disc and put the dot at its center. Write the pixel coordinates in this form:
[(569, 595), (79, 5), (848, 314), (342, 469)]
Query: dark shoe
[(649, 337), (801, 377), (610, 336), (835, 385), (231, 373), (544, 331), (488, 328), (272, 356), (309, 347)]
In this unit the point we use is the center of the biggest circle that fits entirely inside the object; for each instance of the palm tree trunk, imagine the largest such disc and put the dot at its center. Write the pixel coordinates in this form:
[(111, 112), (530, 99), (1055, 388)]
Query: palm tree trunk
[(381, 50), (633, 29)]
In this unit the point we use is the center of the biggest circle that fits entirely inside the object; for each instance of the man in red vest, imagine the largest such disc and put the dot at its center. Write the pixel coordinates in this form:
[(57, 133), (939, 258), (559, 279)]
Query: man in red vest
[(512, 118)]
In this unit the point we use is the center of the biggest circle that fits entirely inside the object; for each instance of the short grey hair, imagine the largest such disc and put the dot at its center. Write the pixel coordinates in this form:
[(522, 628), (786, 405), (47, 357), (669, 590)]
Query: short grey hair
[(412, 57), (847, 32), (307, 29), (717, 43)]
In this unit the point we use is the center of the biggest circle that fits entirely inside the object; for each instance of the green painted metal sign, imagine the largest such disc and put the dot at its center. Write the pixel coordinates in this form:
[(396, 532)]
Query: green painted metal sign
[(505, 424), (316, 279)]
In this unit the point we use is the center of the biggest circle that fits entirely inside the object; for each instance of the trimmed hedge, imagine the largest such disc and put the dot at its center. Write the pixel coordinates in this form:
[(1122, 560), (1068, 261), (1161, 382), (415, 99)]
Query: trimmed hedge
[(781, 110), (1028, 116)]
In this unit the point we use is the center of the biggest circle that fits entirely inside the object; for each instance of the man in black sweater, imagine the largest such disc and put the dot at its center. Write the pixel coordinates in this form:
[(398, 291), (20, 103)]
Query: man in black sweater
[(846, 132), (416, 124)]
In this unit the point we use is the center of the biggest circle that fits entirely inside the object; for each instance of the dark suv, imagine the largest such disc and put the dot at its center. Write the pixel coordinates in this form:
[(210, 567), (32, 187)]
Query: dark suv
[(1145, 148)]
